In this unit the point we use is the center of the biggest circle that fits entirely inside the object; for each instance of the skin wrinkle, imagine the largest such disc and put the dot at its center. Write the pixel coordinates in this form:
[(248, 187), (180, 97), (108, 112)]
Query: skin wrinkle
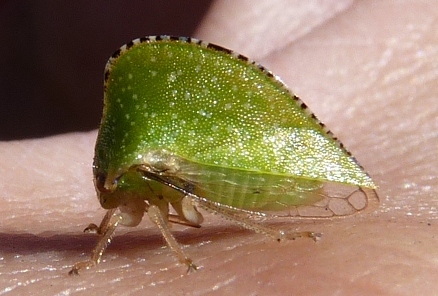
[(48, 196)]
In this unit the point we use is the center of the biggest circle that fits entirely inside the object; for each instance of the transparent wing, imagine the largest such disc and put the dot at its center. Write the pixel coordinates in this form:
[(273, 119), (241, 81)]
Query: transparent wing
[(327, 200), (261, 194)]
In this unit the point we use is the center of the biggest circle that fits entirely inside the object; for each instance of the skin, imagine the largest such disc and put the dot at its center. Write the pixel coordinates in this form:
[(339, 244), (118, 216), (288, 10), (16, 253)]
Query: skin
[(368, 71)]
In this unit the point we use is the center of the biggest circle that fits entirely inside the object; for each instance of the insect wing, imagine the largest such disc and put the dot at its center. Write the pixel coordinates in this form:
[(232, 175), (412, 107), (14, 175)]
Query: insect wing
[(259, 194)]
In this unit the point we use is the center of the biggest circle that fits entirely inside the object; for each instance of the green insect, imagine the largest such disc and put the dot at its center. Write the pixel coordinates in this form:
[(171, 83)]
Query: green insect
[(189, 125)]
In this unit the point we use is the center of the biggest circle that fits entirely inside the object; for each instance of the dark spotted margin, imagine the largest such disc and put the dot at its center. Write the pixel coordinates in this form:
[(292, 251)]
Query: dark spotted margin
[(165, 38)]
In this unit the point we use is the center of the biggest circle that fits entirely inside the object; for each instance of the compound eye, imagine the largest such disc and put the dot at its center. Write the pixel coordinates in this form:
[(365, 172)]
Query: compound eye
[(99, 183)]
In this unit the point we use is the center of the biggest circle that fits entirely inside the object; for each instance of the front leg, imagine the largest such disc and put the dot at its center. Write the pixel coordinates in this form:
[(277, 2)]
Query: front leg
[(106, 230)]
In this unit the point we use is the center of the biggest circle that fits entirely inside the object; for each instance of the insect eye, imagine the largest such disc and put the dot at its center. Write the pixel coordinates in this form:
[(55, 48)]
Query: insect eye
[(99, 182)]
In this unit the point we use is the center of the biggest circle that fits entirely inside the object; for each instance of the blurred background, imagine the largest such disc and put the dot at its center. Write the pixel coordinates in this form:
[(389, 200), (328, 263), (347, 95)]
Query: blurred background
[(53, 54)]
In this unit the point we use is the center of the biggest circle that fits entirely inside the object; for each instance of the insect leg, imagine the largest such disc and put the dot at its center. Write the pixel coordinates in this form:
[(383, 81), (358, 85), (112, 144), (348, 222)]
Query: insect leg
[(93, 228), (178, 220), (106, 229), (244, 221), (158, 218)]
